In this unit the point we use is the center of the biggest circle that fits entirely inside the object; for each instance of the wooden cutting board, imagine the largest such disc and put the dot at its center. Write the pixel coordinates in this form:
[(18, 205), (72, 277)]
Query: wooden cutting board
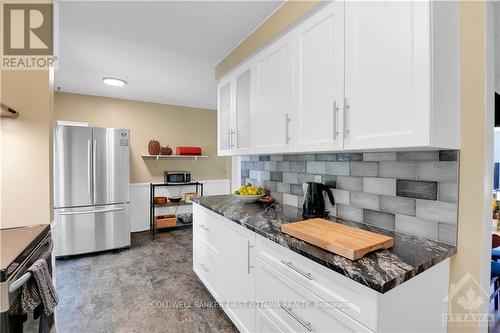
[(349, 242)]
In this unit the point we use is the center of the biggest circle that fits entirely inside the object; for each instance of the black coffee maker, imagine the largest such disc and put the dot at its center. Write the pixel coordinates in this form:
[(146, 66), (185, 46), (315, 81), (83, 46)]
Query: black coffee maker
[(314, 203)]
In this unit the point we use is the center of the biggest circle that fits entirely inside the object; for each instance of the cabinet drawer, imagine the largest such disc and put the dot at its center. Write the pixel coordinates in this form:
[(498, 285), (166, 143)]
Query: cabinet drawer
[(264, 324), (208, 226), (207, 264), (296, 309), (360, 302)]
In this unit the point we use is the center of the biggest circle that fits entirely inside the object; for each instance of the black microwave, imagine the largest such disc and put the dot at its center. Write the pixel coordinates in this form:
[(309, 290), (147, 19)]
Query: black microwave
[(177, 177)]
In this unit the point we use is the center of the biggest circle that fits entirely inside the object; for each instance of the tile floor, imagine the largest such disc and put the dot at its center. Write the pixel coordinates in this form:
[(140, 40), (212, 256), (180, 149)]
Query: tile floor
[(147, 288)]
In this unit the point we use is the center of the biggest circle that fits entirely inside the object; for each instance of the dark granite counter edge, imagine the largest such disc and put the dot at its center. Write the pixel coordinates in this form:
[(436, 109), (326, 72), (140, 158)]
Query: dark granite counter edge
[(381, 289)]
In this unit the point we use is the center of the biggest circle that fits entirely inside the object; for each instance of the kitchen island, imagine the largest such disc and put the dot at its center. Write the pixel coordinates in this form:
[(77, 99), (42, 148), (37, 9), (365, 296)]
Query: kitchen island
[(240, 254)]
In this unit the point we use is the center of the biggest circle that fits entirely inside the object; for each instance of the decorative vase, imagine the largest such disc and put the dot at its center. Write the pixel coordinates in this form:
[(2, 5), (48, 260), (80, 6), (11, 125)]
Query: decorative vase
[(153, 147), (166, 150)]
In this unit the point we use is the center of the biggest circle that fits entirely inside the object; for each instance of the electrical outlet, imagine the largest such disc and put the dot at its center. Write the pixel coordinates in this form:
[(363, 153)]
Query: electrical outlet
[(317, 179)]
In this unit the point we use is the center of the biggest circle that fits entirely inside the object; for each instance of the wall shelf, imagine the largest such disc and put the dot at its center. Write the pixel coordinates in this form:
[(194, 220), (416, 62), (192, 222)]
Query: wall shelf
[(172, 157)]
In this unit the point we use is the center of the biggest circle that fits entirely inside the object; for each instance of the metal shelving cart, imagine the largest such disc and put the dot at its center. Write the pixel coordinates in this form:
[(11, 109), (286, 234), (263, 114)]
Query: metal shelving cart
[(152, 187)]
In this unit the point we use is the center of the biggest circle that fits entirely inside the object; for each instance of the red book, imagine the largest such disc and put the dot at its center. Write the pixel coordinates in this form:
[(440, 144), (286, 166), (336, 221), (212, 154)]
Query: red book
[(188, 151)]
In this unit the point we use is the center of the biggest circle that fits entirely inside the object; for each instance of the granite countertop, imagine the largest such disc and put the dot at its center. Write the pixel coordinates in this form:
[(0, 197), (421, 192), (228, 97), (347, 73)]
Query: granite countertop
[(381, 270)]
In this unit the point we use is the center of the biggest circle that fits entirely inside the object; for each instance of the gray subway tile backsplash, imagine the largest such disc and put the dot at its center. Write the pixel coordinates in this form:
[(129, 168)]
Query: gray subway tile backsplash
[(290, 177), (400, 170), (271, 166), (412, 192), (387, 156), (417, 155), (276, 176), (283, 166), (316, 167), (296, 189), (365, 200), (415, 226), (448, 155), (447, 233), (398, 205), (350, 183), (350, 213), (367, 169), (298, 166), (283, 187), (448, 192), (385, 186), (416, 189), (379, 219), (337, 168), (438, 171), (444, 212), (341, 196)]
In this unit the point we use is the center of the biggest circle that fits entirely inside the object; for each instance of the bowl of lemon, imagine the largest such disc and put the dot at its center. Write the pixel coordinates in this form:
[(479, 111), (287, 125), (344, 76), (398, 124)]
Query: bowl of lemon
[(249, 193)]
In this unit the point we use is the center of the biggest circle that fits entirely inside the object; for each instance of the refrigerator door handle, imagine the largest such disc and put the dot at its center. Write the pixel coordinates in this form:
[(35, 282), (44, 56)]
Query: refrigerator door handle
[(89, 173), (81, 212), (94, 145)]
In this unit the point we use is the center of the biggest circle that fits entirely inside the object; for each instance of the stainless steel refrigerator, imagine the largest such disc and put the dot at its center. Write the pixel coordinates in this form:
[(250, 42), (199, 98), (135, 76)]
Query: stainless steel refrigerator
[(91, 189)]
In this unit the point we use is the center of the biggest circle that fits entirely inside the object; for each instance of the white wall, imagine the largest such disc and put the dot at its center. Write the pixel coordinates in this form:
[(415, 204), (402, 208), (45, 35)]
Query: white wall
[(139, 200)]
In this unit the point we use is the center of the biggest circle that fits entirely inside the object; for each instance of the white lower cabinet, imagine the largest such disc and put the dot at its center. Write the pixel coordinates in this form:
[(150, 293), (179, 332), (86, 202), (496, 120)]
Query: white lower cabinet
[(296, 306), (265, 324), (239, 276), (265, 287)]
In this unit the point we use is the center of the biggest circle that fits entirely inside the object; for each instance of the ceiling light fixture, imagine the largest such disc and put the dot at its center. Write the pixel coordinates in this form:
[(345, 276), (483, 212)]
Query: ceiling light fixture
[(111, 81)]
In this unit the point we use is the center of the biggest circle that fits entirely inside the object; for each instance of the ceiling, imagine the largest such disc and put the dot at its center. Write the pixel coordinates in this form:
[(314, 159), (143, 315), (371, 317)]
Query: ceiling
[(166, 51)]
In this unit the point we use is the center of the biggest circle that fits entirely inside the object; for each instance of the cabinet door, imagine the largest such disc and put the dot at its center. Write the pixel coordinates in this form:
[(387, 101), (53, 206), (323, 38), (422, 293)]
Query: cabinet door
[(224, 110), (319, 79), (387, 78), (242, 135), (273, 95), (239, 257)]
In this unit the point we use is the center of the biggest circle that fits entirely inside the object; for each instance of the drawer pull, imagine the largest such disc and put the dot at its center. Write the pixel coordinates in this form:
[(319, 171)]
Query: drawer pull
[(302, 322), (204, 227), (204, 268), (298, 270), (249, 246)]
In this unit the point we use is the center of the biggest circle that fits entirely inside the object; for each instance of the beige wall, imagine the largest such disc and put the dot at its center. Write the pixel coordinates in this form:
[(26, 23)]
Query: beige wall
[(169, 124), (282, 18), (25, 148), (474, 233)]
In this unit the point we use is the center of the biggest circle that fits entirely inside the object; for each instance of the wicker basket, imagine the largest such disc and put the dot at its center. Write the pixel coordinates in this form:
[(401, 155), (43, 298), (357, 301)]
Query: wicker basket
[(165, 221)]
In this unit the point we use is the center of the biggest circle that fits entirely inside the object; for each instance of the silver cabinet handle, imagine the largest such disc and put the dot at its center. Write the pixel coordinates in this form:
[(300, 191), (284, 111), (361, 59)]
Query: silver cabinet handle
[(228, 138), (292, 314), (287, 121), (249, 246), (204, 268), (298, 270), (233, 138), (346, 117), (335, 119), (204, 227)]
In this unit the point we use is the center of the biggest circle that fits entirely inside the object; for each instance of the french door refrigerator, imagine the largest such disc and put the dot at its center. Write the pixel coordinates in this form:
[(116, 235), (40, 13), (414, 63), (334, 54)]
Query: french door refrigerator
[(91, 189)]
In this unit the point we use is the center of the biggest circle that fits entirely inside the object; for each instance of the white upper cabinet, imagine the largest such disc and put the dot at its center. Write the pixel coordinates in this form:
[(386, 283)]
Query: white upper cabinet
[(387, 74), (224, 112), (351, 76), (402, 74), (319, 76), (243, 108), (273, 95)]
